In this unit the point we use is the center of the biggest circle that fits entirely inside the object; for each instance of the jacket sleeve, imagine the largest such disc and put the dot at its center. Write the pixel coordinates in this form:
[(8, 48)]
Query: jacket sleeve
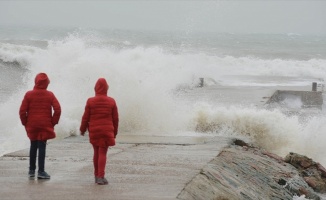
[(115, 118), (57, 111), (85, 118), (23, 110)]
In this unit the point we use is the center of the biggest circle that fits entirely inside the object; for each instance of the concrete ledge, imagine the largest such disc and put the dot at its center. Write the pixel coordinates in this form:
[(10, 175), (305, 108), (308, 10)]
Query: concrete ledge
[(303, 99)]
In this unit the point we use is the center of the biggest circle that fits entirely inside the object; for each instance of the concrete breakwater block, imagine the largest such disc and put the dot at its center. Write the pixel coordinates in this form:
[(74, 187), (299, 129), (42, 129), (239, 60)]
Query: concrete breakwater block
[(297, 99)]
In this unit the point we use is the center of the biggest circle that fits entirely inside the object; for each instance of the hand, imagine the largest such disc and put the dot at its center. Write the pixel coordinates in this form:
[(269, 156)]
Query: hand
[(82, 133)]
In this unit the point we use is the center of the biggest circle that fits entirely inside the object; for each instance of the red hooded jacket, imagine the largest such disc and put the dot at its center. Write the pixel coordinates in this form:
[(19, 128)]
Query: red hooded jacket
[(101, 116), (36, 110)]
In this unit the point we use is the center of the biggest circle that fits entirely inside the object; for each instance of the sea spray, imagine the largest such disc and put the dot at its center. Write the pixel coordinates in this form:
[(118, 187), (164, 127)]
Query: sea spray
[(271, 130)]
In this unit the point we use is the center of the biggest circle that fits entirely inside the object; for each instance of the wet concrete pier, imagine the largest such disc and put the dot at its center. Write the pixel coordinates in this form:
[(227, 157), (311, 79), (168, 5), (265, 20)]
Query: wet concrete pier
[(151, 168)]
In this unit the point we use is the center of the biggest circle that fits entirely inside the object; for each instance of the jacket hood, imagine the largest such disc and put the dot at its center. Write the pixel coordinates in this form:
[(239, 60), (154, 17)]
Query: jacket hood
[(41, 81), (101, 87)]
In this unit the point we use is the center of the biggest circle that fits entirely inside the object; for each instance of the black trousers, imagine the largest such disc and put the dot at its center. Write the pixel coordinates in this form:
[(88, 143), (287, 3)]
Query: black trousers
[(41, 147)]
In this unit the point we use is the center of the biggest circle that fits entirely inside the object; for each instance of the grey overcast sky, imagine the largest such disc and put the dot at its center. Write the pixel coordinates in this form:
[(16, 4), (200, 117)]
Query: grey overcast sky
[(244, 16)]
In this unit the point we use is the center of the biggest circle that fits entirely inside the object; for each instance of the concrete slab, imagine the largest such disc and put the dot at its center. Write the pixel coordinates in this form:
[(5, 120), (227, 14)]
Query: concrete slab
[(137, 170), (303, 99)]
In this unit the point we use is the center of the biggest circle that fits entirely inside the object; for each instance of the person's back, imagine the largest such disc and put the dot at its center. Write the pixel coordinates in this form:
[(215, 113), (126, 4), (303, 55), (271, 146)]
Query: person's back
[(101, 120), (40, 117), (36, 115), (101, 125)]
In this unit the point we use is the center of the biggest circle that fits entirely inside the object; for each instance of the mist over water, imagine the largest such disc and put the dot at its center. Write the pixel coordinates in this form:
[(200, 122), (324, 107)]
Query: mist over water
[(145, 75)]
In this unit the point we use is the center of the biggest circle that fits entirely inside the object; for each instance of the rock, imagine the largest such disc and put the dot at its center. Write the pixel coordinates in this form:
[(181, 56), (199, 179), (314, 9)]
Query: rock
[(240, 143), (312, 172), (317, 184), (246, 172), (271, 155), (321, 169), (298, 161)]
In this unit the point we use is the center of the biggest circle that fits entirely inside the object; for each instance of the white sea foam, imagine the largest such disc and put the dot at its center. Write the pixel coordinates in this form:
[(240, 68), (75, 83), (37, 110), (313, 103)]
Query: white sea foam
[(143, 79), (272, 130)]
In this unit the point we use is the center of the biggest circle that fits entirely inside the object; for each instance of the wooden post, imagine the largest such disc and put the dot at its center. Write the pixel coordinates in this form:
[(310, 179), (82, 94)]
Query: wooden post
[(314, 86), (201, 82)]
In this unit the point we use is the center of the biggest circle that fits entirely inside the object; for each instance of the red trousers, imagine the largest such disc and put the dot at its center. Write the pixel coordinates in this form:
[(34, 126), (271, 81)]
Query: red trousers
[(99, 160)]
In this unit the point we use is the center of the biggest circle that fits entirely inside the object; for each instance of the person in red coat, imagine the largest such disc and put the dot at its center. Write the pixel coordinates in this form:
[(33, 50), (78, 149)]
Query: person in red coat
[(39, 112), (101, 119)]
